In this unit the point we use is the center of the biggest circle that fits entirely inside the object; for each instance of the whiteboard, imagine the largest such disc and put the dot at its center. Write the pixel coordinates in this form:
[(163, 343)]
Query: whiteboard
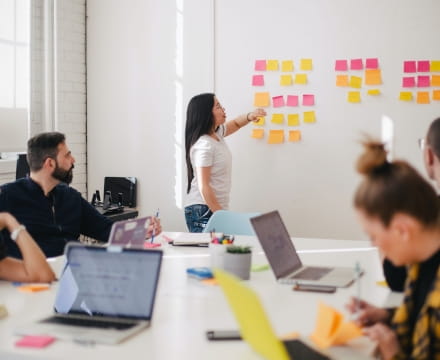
[(312, 182)]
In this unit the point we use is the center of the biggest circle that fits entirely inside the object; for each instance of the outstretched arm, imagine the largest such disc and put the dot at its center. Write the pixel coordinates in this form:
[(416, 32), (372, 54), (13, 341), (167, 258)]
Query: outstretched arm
[(233, 125)]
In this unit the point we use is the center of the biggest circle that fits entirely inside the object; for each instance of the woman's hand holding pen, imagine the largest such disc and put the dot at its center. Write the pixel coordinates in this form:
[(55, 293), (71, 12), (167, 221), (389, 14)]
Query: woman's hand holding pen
[(154, 228), (256, 114), (367, 314)]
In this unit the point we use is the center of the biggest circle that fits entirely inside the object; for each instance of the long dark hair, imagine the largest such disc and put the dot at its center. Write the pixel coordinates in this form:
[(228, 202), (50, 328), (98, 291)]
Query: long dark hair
[(433, 136), (199, 121)]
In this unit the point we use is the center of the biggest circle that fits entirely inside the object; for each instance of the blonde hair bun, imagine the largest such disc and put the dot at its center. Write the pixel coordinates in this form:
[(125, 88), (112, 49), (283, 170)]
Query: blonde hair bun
[(373, 158)]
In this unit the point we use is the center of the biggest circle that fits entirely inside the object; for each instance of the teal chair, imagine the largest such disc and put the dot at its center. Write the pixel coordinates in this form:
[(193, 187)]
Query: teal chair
[(231, 223)]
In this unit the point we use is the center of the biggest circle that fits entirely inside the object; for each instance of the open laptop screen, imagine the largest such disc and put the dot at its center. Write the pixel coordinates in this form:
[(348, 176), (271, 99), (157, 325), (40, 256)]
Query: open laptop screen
[(108, 282)]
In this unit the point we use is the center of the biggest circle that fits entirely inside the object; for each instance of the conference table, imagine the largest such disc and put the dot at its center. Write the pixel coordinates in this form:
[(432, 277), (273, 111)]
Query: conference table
[(186, 308)]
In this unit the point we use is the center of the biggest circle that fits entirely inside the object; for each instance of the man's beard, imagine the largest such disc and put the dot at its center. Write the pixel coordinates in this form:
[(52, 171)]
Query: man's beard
[(62, 175)]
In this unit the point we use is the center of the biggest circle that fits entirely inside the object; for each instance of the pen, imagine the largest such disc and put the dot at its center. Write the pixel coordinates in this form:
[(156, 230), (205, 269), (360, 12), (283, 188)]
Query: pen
[(357, 269), (154, 227)]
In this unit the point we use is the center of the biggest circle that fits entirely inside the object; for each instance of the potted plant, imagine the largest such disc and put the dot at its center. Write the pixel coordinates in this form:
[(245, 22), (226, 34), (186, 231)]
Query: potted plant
[(238, 260)]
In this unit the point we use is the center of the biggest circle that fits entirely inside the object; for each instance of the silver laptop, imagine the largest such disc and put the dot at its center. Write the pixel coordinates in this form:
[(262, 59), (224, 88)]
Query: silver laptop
[(104, 295), (284, 260)]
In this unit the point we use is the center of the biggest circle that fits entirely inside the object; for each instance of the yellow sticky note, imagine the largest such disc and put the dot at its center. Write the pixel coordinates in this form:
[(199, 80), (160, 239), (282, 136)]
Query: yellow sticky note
[(405, 96), (342, 80), (423, 97), (257, 133), (261, 99), (294, 135), (355, 82), (435, 80), (260, 122), (301, 79), (287, 65), (346, 332), (293, 119), (309, 117), (272, 65), (277, 118), (306, 64), (436, 95), (435, 66), (286, 80), (373, 92), (354, 97), (382, 283), (276, 137), (373, 77)]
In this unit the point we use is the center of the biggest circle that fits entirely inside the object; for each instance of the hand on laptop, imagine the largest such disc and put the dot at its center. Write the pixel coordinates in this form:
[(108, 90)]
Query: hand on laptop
[(155, 228)]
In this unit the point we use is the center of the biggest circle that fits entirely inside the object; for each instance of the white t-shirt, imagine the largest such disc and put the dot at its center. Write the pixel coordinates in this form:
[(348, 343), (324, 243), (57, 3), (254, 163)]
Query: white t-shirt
[(209, 152)]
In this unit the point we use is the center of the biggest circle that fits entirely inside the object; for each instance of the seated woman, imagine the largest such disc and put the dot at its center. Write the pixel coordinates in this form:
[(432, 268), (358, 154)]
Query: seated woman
[(33, 267), (400, 211)]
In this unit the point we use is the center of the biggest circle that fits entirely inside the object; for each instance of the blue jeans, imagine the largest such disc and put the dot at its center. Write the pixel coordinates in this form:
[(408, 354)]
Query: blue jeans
[(196, 217)]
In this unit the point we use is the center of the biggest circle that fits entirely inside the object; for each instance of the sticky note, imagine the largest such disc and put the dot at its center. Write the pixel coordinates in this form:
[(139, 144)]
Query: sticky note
[(276, 137), (342, 80), (292, 100), (409, 66), (272, 65), (423, 66), (309, 117), (293, 119), (373, 92), (257, 133), (373, 77), (354, 97), (436, 95), (262, 99), (435, 80), (372, 63), (341, 65), (356, 64), (258, 80), (355, 82), (33, 287), (294, 135), (35, 341), (435, 66), (260, 122), (287, 66), (405, 96), (286, 80), (423, 81), (423, 97), (260, 65), (278, 101), (306, 64), (277, 118), (308, 100), (301, 79), (408, 81)]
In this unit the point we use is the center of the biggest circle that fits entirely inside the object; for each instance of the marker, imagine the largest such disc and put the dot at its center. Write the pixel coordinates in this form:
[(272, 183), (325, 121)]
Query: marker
[(357, 269), (154, 228)]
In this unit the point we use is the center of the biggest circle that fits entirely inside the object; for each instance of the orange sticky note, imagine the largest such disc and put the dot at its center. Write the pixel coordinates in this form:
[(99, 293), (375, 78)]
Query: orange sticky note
[(435, 80), (277, 118), (309, 117), (260, 122), (342, 80), (423, 97), (294, 135), (272, 65), (436, 95), (301, 79), (345, 332), (373, 77), (287, 66), (33, 287), (293, 119), (276, 137), (405, 96), (257, 133), (286, 80), (261, 99)]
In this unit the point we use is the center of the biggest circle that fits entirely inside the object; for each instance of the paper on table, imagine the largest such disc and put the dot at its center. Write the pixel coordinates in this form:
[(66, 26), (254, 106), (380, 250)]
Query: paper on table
[(184, 238)]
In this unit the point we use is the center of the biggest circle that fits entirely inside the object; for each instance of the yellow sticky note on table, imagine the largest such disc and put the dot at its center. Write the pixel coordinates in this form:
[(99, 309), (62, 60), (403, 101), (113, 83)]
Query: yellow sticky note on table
[(373, 77), (294, 135), (257, 133), (287, 66), (373, 92), (276, 137), (423, 97), (405, 96), (272, 65), (33, 287), (277, 118), (301, 79), (435, 80), (436, 95), (260, 122), (286, 80), (342, 80), (262, 99), (435, 66), (309, 117), (354, 97), (355, 82), (306, 64), (293, 119)]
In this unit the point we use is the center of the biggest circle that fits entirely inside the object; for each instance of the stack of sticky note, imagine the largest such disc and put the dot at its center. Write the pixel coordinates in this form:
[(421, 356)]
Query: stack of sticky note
[(331, 329)]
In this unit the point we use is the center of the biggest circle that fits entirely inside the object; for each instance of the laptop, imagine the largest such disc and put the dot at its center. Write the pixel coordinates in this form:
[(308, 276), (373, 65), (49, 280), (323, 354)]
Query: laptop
[(129, 233), (284, 260), (104, 295), (254, 324)]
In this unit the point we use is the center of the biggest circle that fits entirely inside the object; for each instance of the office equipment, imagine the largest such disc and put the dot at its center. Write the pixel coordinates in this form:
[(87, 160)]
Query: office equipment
[(22, 167), (223, 335), (231, 222), (284, 260), (129, 233), (126, 186), (105, 295)]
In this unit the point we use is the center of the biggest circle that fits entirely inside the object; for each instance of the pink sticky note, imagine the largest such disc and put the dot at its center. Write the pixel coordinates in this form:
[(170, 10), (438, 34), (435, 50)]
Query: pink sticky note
[(292, 100), (260, 65), (409, 66), (36, 341), (258, 80), (423, 81), (423, 66), (341, 65), (356, 64), (372, 63), (408, 82), (278, 101), (308, 100)]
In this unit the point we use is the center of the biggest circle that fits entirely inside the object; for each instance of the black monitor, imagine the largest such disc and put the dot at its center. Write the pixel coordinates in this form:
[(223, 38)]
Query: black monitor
[(124, 185), (22, 169)]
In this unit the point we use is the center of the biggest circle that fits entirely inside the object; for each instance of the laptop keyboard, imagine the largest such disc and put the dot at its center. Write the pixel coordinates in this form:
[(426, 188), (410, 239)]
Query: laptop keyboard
[(312, 273), (89, 323)]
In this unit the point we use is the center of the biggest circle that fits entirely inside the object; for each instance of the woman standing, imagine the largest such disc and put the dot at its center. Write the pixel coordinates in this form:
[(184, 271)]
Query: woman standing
[(208, 159)]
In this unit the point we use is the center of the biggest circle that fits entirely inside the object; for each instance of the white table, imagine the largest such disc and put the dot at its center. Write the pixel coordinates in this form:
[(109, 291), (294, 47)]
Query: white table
[(185, 308)]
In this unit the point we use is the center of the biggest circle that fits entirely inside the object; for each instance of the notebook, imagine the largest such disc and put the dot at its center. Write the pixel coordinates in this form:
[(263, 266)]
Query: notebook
[(105, 295), (255, 327), (129, 233), (284, 260)]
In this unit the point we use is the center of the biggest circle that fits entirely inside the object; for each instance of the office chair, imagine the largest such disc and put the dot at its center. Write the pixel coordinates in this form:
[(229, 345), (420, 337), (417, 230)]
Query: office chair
[(22, 169), (231, 223)]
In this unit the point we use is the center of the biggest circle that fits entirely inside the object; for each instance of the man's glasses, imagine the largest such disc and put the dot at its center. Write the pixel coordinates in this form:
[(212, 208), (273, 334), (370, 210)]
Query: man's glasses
[(422, 143)]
